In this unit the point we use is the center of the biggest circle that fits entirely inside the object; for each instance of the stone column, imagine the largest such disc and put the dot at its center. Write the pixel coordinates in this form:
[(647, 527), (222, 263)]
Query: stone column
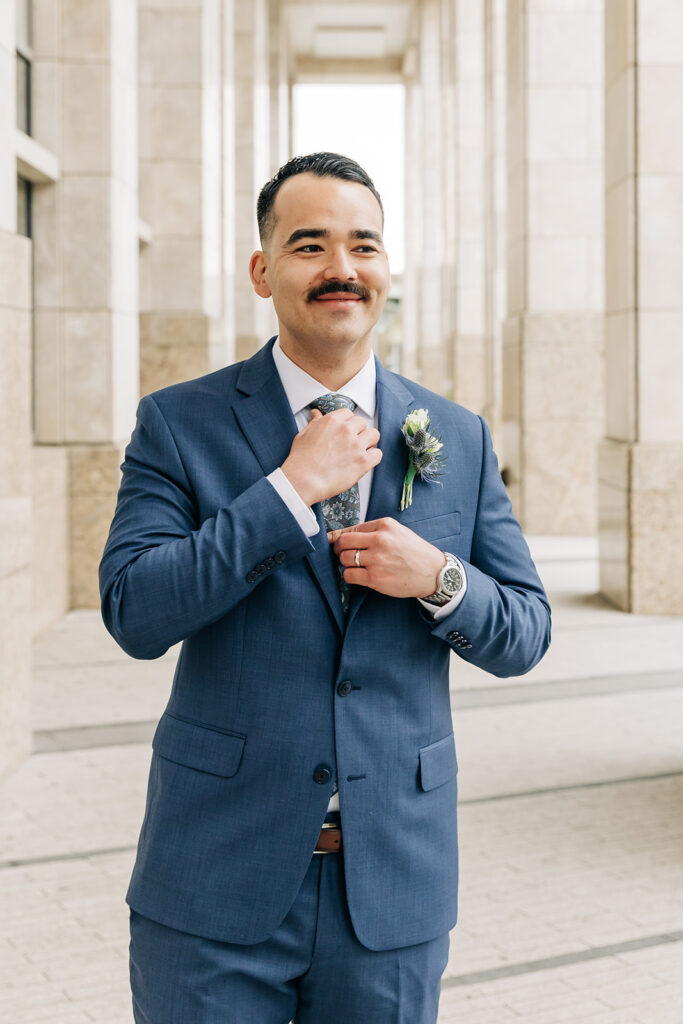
[(470, 361), (496, 214), (424, 351), (553, 331), (86, 266), (15, 433), (641, 459), (254, 319), (182, 55)]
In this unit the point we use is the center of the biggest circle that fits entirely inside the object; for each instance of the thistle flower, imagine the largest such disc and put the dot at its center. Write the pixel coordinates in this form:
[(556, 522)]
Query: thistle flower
[(424, 458)]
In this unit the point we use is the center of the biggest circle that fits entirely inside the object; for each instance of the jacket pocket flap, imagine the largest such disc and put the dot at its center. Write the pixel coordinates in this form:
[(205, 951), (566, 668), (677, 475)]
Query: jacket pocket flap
[(438, 763), (435, 527), (198, 746)]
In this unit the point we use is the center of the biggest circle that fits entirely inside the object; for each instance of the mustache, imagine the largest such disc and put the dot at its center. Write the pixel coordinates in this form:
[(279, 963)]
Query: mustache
[(329, 287)]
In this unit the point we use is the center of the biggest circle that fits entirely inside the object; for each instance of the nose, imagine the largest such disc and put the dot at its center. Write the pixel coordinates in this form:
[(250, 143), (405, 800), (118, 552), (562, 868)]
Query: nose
[(340, 266)]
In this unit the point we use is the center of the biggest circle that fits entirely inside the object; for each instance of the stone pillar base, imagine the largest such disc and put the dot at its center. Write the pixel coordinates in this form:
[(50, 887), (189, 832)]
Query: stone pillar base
[(173, 347), (94, 478), (50, 534), (552, 402), (641, 525)]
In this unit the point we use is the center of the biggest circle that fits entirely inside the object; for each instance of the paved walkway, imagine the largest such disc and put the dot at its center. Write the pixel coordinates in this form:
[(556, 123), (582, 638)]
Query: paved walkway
[(571, 822)]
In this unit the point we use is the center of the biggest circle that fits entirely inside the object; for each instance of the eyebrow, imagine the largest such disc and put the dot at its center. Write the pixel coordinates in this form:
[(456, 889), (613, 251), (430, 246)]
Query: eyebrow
[(300, 233)]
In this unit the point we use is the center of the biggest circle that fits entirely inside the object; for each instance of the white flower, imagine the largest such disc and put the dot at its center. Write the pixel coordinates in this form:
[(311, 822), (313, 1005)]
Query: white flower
[(423, 458)]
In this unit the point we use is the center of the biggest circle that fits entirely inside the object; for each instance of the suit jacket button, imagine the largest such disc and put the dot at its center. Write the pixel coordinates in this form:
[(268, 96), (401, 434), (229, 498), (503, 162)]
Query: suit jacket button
[(344, 688), (322, 775), (252, 576), (269, 563), (452, 636), (280, 557), (260, 569)]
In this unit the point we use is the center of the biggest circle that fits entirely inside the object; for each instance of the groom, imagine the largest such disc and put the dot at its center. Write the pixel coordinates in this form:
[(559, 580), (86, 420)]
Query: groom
[(298, 855)]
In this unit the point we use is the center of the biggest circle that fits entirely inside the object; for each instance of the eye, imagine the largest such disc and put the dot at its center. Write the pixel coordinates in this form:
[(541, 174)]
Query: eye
[(365, 248), (311, 247)]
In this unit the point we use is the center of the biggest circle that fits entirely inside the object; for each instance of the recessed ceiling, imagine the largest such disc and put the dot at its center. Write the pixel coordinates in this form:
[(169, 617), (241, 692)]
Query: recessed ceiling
[(348, 31)]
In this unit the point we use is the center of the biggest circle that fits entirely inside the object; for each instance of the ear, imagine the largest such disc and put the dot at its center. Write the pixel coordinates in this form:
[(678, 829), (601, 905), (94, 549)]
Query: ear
[(257, 272)]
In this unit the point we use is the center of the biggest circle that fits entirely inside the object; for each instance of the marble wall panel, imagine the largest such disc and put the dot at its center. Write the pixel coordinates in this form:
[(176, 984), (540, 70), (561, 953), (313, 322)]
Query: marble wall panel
[(47, 29), (567, 199), (656, 556), (558, 274), (557, 123), (660, 120), (660, 32), (170, 47), (46, 103), (171, 197), (560, 46), (620, 376), (87, 375), (15, 669), (86, 30), (85, 233), (48, 375), (560, 478), (171, 123), (50, 563), (85, 118), (660, 375), (620, 253), (660, 229), (15, 403), (94, 477)]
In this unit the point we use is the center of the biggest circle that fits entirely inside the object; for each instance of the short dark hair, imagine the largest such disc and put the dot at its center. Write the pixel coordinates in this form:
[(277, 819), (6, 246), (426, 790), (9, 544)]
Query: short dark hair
[(324, 165)]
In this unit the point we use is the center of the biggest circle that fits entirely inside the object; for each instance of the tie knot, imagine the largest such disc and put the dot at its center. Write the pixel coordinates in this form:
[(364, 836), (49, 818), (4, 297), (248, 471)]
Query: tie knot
[(328, 403)]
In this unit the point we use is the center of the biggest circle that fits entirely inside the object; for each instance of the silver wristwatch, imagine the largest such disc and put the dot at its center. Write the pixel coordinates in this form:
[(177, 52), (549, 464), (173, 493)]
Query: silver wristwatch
[(449, 582)]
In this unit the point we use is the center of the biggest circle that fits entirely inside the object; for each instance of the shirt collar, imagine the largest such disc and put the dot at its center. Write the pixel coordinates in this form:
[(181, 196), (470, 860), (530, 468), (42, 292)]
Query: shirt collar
[(301, 389)]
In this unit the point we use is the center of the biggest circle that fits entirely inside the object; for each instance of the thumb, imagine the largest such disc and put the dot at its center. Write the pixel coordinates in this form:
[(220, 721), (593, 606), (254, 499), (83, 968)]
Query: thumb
[(315, 415)]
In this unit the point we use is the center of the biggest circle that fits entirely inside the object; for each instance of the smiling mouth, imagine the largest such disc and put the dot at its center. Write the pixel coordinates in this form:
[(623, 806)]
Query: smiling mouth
[(338, 297)]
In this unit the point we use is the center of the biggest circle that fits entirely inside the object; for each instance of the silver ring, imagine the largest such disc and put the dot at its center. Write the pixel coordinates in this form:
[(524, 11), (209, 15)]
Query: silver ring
[(356, 559)]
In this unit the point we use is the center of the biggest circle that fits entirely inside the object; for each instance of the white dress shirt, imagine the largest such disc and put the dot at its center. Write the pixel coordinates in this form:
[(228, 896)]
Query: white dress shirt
[(301, 389)]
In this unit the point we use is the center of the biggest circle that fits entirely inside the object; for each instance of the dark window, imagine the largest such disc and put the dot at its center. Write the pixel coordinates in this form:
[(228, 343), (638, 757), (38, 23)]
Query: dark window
[(23, 94), (24, 198), (24, 58)]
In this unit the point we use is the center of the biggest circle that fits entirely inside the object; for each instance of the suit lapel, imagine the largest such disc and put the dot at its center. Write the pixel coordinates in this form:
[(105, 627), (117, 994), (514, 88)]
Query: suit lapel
[(266, 420), (393, 404)]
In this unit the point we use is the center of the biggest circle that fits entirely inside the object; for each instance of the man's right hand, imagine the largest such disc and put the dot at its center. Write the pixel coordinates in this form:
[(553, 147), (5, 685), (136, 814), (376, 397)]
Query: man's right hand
[(331, 454)]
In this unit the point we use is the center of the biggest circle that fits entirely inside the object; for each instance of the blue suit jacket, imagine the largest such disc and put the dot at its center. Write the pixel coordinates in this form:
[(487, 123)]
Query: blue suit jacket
[(202, 549)]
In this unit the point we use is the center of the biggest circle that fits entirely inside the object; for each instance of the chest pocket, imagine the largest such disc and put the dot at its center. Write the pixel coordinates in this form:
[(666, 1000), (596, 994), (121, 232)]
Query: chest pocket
[(435, 527)]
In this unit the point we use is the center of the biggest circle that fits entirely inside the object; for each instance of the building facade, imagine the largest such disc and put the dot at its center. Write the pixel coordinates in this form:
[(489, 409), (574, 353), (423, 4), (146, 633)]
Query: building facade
[(543, 284)]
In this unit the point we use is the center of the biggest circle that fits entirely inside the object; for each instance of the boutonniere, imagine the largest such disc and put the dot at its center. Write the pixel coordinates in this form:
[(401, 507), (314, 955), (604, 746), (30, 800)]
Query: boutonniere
[(424, 454)]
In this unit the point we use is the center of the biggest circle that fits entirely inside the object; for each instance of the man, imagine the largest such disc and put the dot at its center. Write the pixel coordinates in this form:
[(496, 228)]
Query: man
[(298, 856)]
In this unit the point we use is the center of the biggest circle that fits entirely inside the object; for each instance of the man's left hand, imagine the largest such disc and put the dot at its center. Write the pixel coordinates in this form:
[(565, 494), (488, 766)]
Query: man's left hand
[(393, 559)]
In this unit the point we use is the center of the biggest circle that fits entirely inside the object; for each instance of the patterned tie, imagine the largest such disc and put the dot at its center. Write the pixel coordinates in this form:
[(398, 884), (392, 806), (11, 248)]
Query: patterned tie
[(342, 509)]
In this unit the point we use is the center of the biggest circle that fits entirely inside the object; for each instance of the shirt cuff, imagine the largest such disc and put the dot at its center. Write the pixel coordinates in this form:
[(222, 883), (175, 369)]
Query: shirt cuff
[(301, 512), (439, 612)]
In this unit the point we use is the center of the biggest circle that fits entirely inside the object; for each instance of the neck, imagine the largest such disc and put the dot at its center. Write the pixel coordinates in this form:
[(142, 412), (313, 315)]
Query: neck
[(330, 370)]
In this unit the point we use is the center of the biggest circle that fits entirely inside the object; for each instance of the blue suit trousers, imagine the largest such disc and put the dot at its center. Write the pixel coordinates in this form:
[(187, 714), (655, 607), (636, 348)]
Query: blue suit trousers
[(312, 970)]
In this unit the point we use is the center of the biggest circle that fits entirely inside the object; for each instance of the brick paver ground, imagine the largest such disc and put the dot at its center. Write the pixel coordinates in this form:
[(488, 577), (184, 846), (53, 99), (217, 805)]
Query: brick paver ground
[(571, 824)]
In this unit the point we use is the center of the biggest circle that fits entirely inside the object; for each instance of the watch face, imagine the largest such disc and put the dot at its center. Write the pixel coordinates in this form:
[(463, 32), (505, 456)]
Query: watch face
[(452, 580)]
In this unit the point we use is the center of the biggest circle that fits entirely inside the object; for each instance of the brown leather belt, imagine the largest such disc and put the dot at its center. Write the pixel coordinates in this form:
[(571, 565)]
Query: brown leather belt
[(330, 839)]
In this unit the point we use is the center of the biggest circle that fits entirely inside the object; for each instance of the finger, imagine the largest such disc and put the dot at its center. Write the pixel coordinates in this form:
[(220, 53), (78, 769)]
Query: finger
[(316, 414), (349, 540), (361, 577), (347, 557)]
